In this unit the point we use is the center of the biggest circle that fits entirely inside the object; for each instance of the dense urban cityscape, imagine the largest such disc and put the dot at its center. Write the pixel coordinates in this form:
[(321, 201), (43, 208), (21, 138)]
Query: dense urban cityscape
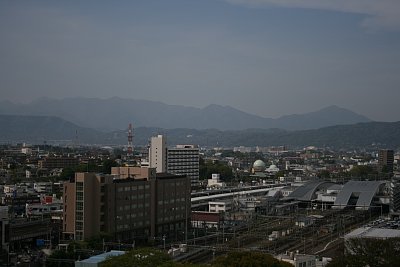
[(195, 203), (200, 133)]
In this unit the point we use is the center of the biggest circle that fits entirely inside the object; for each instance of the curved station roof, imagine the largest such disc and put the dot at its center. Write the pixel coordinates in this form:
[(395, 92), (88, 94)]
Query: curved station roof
[(307, 192), (365, 190)]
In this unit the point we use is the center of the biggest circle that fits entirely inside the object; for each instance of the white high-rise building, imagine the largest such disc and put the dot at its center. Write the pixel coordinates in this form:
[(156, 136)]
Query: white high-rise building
[(158, 153), (184, 159)]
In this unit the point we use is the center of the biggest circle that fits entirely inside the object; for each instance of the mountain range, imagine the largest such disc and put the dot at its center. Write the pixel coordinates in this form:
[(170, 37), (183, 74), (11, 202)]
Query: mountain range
[(116, 113), (38, 129)]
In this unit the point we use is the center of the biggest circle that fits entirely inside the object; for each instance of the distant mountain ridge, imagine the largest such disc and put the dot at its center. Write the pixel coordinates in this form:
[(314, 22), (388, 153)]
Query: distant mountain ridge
[(38, 129), (116, 113)]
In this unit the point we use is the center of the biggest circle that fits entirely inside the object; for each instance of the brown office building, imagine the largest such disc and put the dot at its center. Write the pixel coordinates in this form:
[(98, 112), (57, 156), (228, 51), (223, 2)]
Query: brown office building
[(128, 208), (385, 160)]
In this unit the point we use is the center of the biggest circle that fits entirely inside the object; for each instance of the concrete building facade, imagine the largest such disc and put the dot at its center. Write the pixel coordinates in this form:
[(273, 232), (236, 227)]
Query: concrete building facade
[(386, 160), (60, 162), (126, 207), (158, 153), (184, 159)]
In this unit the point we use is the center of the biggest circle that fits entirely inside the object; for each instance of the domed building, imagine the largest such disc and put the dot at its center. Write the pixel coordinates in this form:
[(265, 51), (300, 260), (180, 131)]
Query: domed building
[(272, 169), (259, 166)]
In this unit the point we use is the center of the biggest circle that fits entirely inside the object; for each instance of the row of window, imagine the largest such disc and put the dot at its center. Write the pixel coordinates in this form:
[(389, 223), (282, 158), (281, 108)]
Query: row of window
[(122, 227), (133, 206), (170, 201), (133, 188), (134, 196), (170, 227), (79, 186)]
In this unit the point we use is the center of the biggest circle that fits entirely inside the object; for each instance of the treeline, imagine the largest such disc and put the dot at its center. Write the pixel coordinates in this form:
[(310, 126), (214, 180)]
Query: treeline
[(207, 168), (92, 166)]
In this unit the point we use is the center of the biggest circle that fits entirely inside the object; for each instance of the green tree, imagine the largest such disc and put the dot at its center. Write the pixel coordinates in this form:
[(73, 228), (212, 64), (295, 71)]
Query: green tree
[(66, 258), (67, 173), (107, 165), (143, 257), (208, 167), (369, 252), (279, 174), (324, 174), (146, 257), (362, 171)]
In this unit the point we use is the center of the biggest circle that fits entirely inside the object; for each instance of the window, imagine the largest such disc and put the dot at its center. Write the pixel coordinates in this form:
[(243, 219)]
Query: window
[(79, 235), (79, 206), (79, 186), (79, 216), (79, 225), (79, 196)]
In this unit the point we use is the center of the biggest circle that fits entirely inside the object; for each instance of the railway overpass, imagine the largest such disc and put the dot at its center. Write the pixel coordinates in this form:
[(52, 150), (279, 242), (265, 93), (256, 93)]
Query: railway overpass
[(199, 199)]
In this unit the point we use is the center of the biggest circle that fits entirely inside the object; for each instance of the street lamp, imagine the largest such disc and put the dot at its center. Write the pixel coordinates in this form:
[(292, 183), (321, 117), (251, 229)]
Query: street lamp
[(163, 239)]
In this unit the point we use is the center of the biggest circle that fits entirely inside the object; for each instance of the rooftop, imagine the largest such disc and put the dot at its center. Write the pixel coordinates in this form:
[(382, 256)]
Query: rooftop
[(373, 232), (102, 257)]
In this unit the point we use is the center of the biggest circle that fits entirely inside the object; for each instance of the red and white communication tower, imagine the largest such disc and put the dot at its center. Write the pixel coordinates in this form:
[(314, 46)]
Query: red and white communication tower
[(130, 140)]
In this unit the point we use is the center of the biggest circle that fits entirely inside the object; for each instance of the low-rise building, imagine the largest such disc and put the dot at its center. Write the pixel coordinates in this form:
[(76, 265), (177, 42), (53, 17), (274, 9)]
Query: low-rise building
[(200, 219), (220, 206), (215, 181), (298, 260)]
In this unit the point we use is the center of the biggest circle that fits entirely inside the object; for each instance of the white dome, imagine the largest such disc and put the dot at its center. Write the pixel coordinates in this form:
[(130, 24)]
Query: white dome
[(259, 165), (273, 168)]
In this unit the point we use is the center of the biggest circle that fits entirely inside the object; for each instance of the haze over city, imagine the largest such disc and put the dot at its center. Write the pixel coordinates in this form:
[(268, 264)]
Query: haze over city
[(265, 57), (194, 133)]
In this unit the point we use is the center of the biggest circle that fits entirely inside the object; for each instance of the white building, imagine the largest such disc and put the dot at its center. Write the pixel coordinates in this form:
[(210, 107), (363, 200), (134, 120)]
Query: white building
[(26, 150), (184, 159), (298, 260), (219, 206), (215, 181), (158, 153), (43, 187)]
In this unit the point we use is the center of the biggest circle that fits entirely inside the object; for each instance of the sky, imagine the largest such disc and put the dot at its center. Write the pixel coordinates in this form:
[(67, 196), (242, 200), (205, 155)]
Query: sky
[(265, 57)]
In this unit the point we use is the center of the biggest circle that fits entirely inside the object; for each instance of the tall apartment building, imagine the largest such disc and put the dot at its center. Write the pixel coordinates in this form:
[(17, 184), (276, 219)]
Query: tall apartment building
[(127, 207), (385, 160), (184, 159), (158, 153)]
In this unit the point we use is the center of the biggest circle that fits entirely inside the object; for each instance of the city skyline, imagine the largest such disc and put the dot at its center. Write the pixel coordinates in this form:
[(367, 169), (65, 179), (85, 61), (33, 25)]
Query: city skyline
[(265, 57)]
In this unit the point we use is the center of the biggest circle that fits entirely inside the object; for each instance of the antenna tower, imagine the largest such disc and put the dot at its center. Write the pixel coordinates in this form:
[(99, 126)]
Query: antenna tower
[(130, 140)]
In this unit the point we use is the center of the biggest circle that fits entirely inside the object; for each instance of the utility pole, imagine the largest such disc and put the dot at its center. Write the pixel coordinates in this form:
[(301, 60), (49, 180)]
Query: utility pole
[(163, 238)]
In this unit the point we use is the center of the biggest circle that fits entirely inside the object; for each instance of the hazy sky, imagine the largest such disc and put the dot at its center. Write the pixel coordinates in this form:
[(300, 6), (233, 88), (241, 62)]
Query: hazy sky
[(267, 57)]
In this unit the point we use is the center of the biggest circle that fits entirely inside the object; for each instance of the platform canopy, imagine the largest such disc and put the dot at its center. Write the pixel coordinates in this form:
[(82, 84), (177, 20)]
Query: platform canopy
[(365, 190), (307, 191)]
